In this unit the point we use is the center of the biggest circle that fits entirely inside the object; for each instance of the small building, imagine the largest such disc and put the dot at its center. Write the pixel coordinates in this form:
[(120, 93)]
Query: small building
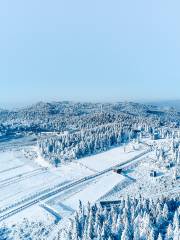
[(119, 171), (109, 204), (169, 165), (153, 173), (155, 136), (136, 133)]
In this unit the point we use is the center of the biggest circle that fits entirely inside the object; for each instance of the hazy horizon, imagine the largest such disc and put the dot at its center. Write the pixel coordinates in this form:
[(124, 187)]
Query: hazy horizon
[(158, 102)]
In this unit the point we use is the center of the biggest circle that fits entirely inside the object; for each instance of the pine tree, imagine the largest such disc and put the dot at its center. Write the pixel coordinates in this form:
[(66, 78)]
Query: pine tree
[(103, 232), (136, 233), (127, 232), (146, 223), (176, 220), (170, 232), (125, 235), (176, 234), (91, 225), (81, 219), (151, 236), (119, 226), (166, 212), (159, 237), (176, 226)]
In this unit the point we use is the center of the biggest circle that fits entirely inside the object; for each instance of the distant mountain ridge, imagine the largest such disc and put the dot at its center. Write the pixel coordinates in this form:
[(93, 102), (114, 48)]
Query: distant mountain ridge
[(166, 104), (75, 116), (82, 108)]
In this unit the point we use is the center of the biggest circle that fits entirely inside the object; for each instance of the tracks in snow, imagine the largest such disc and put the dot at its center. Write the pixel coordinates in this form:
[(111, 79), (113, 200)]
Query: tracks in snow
[(10, 169), (20, 177), (51, 191), (18, 145)]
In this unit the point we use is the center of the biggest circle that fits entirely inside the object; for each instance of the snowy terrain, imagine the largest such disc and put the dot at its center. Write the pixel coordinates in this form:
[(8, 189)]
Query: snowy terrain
[(23, 177), (112, 157), (44, 175)]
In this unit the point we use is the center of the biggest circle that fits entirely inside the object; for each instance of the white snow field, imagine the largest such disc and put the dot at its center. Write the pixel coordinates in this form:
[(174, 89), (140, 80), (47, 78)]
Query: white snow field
[(86, 192), (164, 184), (26, 181), (31, 178), (102, 161), (95, 190)]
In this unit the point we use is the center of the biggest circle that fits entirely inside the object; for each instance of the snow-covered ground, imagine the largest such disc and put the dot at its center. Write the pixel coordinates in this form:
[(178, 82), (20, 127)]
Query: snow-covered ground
[(145, 185), (21, 177), (95, 190), (24, 173), (88, 192), (34, 213), (135, 180), (112, 157)]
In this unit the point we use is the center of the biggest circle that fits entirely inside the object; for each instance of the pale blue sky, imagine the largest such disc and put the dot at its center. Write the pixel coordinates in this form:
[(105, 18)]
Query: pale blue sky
[(95, 50)]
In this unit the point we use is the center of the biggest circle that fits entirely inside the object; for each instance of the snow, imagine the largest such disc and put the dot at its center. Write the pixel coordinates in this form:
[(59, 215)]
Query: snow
[(149, 187), (95, 190), (10, 159), (111, 158), (25, 173), (40, 160), (21, 177), (68, 201), (34, 213)]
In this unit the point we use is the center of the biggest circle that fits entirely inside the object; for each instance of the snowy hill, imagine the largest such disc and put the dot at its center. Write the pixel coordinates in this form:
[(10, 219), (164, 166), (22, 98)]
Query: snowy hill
[(123, 158)]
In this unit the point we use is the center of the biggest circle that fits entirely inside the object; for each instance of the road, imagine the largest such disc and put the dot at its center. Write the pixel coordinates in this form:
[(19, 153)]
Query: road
[(21, 177), (56, 189)]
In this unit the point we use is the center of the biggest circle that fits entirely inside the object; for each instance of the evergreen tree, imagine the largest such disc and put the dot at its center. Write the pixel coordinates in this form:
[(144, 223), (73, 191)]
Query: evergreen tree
[(170, 232), (151, 236), (165, 212), (159, 237), (176, 220)]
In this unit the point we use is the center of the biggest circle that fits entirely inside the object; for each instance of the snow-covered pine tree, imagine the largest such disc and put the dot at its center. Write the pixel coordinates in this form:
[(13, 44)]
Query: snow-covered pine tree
[(170, 232)]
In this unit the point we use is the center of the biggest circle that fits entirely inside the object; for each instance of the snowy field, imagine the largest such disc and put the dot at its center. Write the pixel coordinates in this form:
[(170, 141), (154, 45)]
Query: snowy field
[(135, 180), (94, 190), (110, 158), (90, 192), (21, 177), (141, 183), (24, 173)]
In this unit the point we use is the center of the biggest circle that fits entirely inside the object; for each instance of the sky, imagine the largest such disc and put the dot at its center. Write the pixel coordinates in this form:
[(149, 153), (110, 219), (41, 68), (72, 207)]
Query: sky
[(95, 50)]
